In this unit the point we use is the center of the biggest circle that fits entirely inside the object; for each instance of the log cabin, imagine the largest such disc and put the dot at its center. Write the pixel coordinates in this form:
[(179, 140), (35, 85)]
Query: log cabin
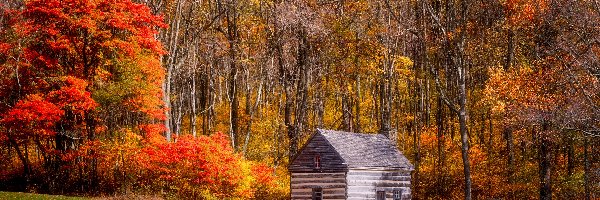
[(344, 165)]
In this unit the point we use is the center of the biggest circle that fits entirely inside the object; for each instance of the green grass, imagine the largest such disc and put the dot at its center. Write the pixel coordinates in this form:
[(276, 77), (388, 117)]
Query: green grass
[(30, 196)]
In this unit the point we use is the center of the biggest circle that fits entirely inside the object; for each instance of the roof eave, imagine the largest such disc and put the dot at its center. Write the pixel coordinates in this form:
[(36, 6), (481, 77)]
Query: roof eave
[(383, 168)]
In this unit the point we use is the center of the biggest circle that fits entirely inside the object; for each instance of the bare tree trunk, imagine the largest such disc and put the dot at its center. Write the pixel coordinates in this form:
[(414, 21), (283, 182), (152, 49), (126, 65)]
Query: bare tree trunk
[(302, 86), (462, 119), (285, 80), (463, 106), (462, 112), (179, 113), (193, 100), (385, 98), (346, 113), (320, 107), (458, 60), (232, 36), (291, 132), (440, 115), (251, 110), (355, 124), (570, 154), (234, 106), (24, 159), (490, 142), (507, 132), (510, 53), (586, 168), (419, 57), (511, 154), (545, 165), (171, 38), (167, 102), (357, 127)]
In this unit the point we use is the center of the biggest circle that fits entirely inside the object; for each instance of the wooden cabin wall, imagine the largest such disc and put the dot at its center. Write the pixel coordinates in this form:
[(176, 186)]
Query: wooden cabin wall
[(331, 161), (333, 185), (364, 184)]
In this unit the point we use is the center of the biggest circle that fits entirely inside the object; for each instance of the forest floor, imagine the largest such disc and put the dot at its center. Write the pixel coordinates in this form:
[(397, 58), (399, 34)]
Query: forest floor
[(31, 196)]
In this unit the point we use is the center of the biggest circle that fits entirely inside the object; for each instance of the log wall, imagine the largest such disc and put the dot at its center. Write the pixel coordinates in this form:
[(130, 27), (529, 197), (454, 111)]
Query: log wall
[(331, 161), (332, 184), (364, 184)]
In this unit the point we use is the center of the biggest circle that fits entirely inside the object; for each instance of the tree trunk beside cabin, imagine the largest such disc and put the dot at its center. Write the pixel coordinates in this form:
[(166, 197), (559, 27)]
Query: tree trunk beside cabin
[(357, 124), (285, 79), (456, 58), (346, 113), (384, 99), (302, 83)]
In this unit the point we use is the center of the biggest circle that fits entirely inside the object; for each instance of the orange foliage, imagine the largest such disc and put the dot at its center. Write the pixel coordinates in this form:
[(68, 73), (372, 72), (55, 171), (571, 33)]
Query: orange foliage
[(524, 12), (202, 167), (64, 52), (32, 116), (441, 175), (73, 96), (207, 163)]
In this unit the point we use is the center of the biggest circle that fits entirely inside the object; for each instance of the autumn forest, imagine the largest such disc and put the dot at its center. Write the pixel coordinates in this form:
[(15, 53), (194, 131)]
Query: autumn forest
[(210, 99)]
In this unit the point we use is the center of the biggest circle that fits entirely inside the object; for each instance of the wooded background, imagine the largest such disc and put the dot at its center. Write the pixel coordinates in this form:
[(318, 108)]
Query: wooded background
[(490, 99)]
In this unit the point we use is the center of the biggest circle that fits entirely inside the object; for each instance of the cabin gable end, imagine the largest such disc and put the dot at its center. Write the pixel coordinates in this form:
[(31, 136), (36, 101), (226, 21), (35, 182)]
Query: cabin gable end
[(318, 149)]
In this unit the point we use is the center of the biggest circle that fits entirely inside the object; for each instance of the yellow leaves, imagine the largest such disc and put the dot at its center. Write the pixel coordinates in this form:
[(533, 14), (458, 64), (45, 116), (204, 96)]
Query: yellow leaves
[(499, 107), (403, 66), (450, 35), (495, 89), (349, 88), (102, 75), (255, 2)]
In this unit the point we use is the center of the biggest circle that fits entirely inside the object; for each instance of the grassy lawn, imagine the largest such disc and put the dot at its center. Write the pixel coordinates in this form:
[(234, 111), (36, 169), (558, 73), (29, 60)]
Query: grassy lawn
[(30, 196)]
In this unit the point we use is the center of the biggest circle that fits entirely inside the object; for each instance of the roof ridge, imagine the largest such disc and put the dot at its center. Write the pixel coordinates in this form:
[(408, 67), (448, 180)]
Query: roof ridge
[(365, 149)]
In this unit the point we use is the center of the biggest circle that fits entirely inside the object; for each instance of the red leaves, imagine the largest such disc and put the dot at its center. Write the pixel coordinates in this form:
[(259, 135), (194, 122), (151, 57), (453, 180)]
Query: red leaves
[(263, 175), (66, 51), (4, 48), (37, 114), (74, 32), (32, 115), (205, 163), (73, 96), (74, 40)]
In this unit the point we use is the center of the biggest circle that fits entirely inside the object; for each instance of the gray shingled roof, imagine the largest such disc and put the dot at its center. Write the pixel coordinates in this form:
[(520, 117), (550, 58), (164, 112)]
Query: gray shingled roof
[(361, 150)]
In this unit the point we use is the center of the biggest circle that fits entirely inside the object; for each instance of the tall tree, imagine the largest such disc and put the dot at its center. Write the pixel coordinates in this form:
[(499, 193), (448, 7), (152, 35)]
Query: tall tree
[(69, 53), (457, 60)]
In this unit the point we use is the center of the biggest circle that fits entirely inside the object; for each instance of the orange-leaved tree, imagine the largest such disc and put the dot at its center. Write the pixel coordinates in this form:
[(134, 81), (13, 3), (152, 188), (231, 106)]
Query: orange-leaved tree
[(58, 57), (204, 167)]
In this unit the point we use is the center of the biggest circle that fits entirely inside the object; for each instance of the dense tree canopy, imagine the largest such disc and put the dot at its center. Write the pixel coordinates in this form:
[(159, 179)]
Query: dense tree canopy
[(210, 99)]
